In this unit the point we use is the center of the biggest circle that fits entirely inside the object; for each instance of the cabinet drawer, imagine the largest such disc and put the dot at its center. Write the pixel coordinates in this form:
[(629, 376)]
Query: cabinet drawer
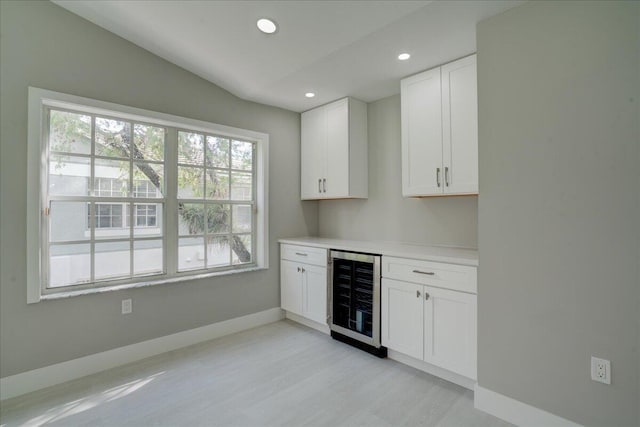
[(306, 254), (449, 276)]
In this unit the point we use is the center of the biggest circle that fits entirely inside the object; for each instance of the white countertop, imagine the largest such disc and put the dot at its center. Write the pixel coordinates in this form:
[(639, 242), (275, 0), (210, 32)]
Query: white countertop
[(453, 255)]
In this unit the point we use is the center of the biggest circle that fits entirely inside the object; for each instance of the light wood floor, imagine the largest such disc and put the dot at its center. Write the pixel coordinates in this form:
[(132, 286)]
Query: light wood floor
[(282, 374)]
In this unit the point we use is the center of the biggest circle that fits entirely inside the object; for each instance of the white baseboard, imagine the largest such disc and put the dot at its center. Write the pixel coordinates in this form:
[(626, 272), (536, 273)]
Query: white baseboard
[(516, 412), (310, 323), (26, 382), (432, 369)]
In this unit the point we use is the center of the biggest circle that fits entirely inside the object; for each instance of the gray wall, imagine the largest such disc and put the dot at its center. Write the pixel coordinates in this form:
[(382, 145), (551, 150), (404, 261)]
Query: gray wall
[(559, 207), (386, 215), (45, 46)]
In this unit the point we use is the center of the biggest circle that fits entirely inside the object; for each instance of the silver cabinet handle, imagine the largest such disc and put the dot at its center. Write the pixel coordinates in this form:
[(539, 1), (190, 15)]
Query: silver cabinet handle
[(301, 254), (426, 296), (429, 273), (298, 269), (324, 185), (417, 294), (446, 175), (302, 269), (438, 176), (319, 185)]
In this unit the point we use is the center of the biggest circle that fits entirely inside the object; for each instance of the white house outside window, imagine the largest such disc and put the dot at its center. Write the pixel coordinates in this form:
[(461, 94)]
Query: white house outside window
[(109, 177)]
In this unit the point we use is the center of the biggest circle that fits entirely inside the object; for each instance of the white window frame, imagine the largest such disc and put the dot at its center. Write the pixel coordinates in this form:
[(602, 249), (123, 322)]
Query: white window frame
[(41, 99)]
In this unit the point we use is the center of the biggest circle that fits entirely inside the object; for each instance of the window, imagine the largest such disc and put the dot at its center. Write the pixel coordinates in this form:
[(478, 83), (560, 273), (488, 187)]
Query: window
[(107, 216), (215, 182), (110, 215), (109, 176)]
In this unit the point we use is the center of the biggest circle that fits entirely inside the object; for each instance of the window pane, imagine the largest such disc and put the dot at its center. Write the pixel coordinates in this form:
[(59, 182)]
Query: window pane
[(69, 265), (111, 178), (241, 246), (69, 175), (191, 219), (149, 141), (190, 253), (68, 221), (218, 252), (190, 148), (113, 137), (242, 218), (111, 220), (217, 184), (148, 180), (112, 260), (69, 132), (218, 218), (147, 219), (241, 186), (242, 155), (217, 152), (190, 183), (147, 257)]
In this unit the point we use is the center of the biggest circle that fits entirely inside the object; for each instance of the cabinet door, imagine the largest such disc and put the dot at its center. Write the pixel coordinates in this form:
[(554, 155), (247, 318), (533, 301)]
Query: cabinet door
[(460, 126), (337, 168), (314, 296), (450, 337), (313, 152), (402, 317), (421, 115), (291, 287)]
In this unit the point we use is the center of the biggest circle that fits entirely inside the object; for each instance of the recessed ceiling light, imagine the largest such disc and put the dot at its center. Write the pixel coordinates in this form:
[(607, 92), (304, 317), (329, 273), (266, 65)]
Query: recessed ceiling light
[(267, 26), (309, 94), (404, 56)]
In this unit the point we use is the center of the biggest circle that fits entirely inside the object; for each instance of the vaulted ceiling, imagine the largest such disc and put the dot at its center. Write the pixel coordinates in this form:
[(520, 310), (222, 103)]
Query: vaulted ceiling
[(332, 48)]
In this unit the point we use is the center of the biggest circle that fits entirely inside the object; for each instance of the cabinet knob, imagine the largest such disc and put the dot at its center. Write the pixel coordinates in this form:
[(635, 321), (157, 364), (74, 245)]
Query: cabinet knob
[(426, 296), (418, 294), (298, 269), (302, 269)]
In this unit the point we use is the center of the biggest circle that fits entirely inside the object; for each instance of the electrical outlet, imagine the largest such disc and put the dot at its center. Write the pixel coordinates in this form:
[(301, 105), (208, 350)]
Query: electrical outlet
[(127, 306), (600, 370)]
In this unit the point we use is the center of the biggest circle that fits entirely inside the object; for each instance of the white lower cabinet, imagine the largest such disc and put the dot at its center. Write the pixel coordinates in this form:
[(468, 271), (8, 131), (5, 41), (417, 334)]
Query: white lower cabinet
[(450, 330), (314, 293), (303, 286), (290, 287), (432, 324), (402, 317)]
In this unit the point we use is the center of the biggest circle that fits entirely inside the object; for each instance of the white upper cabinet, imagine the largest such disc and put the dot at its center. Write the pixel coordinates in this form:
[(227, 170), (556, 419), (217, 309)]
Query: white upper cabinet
[(440, 131), (334, 156), (421, 105)]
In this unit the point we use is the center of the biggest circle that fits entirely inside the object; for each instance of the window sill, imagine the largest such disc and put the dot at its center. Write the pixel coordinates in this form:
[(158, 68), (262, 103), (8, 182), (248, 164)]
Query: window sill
[(70, 294)]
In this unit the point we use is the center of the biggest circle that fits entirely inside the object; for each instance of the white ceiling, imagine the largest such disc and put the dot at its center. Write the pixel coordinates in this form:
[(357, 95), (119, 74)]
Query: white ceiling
[(332, 48)]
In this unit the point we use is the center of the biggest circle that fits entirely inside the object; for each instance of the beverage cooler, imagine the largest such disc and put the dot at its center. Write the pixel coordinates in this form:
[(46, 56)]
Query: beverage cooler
[(355, 300)]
